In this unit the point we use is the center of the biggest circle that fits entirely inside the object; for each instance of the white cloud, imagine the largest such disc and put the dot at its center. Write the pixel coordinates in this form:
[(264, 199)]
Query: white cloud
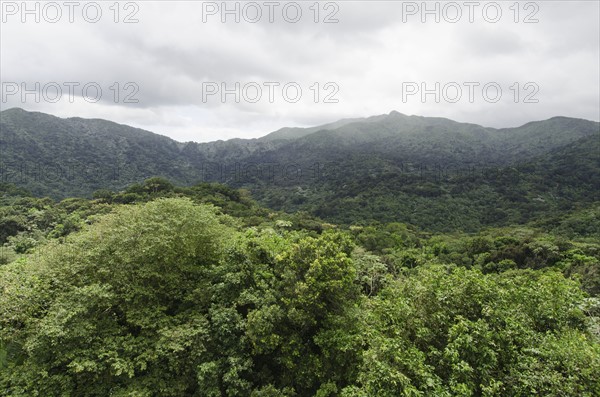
[(369, 54)]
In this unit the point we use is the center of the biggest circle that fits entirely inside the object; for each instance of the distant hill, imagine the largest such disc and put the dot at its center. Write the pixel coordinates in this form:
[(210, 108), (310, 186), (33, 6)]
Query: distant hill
[(388, 167), (289, 133)]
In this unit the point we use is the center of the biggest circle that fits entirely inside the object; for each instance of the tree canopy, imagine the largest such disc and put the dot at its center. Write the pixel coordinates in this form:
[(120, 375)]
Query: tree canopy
[(172, 296)]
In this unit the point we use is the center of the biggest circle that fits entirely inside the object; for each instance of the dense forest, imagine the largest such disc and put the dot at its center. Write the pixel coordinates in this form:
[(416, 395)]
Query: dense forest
[(164, 290), (300, 199), (388, 256), (434, 173)]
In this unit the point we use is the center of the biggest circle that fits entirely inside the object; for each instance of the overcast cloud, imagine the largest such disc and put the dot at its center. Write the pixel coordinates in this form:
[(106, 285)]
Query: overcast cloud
[(374, 58)]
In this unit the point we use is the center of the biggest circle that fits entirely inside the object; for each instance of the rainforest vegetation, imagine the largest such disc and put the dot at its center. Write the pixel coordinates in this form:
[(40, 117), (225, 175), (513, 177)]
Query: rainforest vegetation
[(388, 256), (163, 290)]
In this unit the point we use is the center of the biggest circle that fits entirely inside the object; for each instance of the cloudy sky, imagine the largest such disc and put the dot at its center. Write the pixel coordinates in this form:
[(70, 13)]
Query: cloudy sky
[(202, 71)]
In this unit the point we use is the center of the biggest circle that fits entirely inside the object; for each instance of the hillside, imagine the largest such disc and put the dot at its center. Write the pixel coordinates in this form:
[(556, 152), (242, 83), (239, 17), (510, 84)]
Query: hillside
[(198, 291), (422, 170), (417, 257)]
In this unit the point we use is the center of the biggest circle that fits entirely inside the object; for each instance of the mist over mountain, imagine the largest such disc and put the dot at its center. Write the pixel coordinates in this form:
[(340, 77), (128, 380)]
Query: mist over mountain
[(385, 167)]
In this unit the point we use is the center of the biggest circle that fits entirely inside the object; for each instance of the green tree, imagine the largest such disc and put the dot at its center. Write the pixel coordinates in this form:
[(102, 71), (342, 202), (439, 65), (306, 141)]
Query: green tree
[(115, 310)]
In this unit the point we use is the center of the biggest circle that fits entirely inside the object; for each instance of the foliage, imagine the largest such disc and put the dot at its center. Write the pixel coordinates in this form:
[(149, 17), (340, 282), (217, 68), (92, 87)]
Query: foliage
[(461, 260), (433, 173), (452, 331), (172, 297)]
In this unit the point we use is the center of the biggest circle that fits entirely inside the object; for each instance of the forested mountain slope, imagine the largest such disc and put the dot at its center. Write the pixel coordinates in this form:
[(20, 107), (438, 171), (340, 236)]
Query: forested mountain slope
[(198, 291), (432, 172)]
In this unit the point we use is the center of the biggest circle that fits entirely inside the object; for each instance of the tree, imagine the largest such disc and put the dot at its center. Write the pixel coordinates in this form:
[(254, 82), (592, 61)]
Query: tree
[(117, 309)]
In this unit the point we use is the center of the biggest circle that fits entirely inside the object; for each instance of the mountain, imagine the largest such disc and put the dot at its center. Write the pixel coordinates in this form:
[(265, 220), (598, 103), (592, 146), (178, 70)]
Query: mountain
[(64, 157), (433, 172), (397, 136), (288, 133), (469, 198)]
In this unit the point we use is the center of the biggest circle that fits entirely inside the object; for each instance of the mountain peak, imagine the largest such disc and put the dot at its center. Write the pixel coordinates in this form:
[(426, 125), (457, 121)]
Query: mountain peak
[(15, 110)]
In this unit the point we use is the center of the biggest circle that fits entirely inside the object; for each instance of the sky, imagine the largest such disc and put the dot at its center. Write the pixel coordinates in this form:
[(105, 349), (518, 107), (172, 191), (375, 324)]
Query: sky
[(205, 71)]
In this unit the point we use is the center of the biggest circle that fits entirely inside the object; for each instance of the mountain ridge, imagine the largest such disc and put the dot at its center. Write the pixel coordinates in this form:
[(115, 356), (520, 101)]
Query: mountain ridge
[(276, 135), (341, 171)]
